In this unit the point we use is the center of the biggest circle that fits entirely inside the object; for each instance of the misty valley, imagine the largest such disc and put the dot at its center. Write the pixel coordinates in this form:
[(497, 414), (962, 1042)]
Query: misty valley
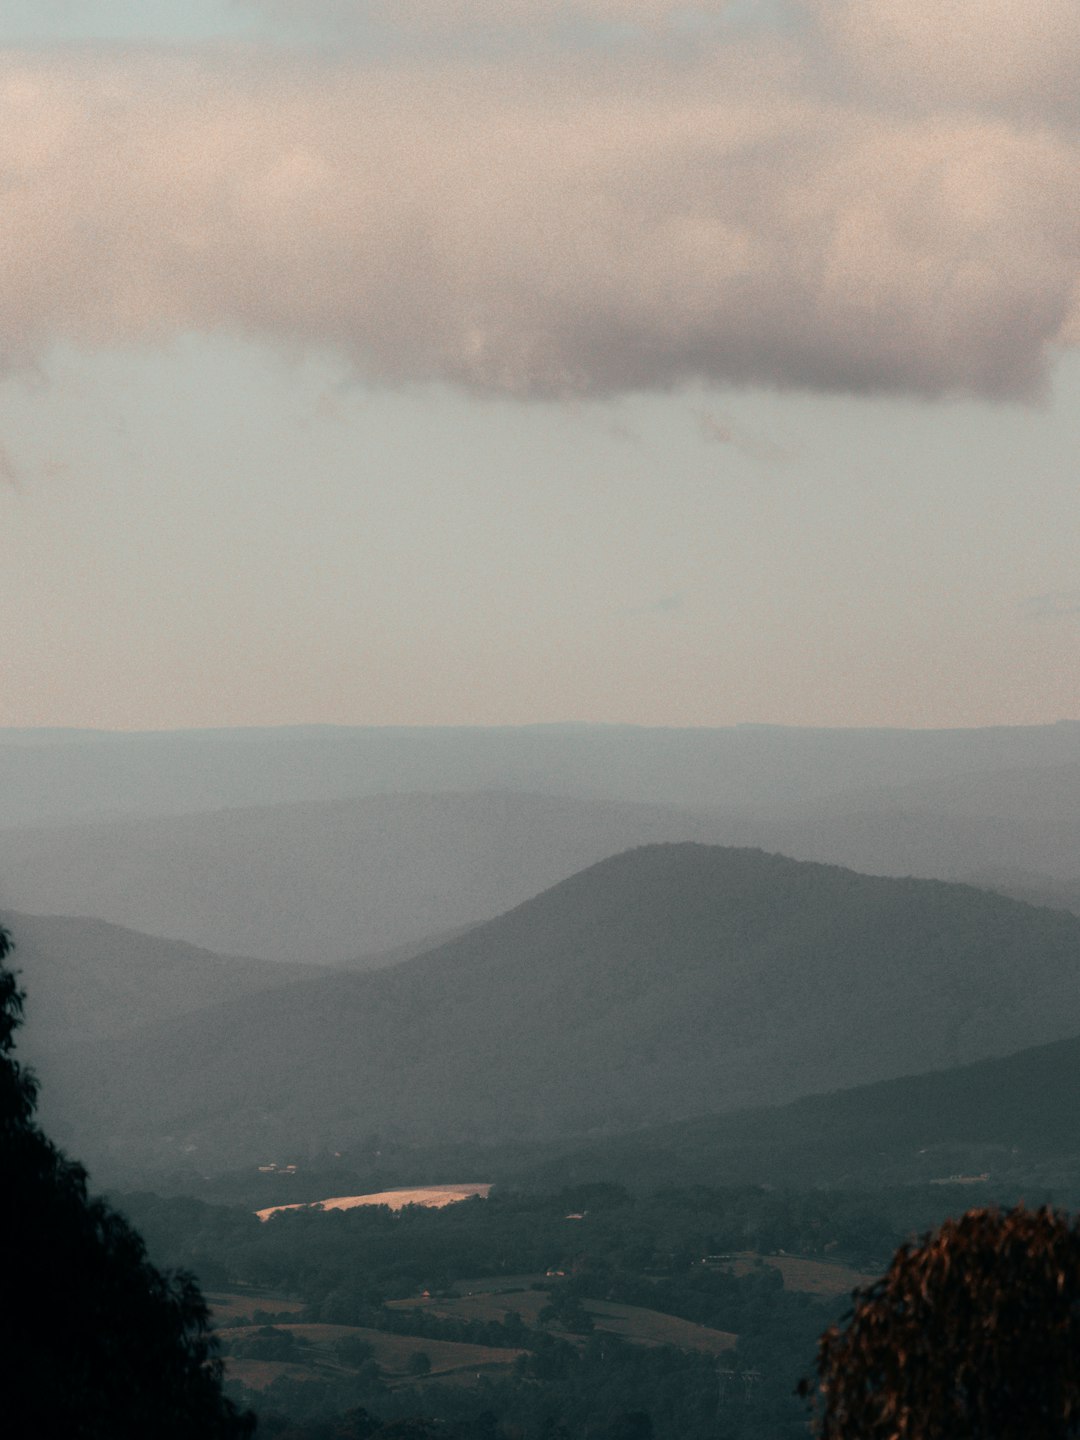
[(539, 728), (568, 1086)]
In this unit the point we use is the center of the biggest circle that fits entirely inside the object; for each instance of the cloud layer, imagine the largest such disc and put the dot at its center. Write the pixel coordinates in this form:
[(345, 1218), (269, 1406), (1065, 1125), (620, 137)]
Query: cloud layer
[(442, 16), (1017, 58), (568, 227)]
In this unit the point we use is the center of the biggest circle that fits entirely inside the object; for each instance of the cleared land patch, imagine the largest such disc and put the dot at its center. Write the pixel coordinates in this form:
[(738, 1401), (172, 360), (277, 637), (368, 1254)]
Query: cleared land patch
[(632, 1322), (236, 1305), (259, 1374), (484, 1305), (494, 1284), (390, 1352), (811, 1277), (432, 1197), (651, 1327)]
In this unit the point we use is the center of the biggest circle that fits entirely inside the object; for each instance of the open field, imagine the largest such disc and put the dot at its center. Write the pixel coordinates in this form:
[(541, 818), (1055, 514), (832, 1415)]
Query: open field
[(232, 1304), (433, 1197), (483, 1305), (650, 1327), (632, 1322), (390, 1352), (812, 1277), (498, 1284), (260, 1374)]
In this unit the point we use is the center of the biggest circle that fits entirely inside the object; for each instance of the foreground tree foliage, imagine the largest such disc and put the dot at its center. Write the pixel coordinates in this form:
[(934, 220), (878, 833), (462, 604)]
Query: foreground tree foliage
[(94, 1341), (974, 1333)]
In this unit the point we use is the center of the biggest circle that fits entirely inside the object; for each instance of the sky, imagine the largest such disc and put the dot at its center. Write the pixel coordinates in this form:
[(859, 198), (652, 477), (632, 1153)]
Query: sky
[(470, 363)]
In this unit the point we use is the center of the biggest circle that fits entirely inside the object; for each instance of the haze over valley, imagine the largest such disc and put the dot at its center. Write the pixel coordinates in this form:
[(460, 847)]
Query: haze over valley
[(624, 944), (631, 985), (666, 982), (553, 963)]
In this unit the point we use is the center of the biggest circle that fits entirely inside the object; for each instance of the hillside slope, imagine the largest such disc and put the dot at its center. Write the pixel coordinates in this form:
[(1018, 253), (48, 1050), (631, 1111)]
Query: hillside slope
[(86, 980), (1015, 1115), (668, 981)]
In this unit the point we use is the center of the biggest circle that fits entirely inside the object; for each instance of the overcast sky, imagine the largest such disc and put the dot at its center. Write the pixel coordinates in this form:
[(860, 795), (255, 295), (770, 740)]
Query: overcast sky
[(493, 361)]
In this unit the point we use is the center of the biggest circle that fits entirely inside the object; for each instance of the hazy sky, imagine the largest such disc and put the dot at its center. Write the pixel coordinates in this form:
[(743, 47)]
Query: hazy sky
[(438, 361)]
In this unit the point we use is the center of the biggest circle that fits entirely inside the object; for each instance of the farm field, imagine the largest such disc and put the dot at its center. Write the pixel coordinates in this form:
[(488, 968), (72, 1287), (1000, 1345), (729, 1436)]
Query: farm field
[(499, 1284), (391, 1353), (236, 1305), (260, 1374), (650, 1327), (482, 1305), (811, 1277), (632, 1322), (432, 1197)]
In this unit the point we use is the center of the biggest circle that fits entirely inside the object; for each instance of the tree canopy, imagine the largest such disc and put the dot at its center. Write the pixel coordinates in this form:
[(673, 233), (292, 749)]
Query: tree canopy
[(974, 1332), (95, 1341)]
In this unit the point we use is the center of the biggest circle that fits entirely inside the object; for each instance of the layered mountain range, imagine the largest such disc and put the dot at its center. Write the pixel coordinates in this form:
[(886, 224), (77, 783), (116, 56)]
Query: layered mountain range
[(668, 982), (403, 834), (59, 777), (1011, 1121)]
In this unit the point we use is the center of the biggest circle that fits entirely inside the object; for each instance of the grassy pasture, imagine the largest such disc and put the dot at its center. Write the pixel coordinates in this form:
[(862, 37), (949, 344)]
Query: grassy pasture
[(259, 1374), (811, 1277), (390, 1352), (231, 1305), (632, 1322), (650, 1327), (496, 1284), (483, 1305)]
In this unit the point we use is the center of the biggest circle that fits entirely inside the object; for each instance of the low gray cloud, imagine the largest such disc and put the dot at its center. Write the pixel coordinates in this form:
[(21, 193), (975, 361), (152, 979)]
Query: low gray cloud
[(567, 227)]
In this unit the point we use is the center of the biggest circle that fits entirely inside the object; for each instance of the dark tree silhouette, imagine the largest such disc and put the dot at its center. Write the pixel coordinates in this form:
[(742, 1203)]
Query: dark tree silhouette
[(974, 1332), (95, 1343)]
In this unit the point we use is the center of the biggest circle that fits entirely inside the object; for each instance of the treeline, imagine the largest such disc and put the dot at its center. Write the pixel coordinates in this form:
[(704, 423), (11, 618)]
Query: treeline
[(370, 1254), (96, 1341)]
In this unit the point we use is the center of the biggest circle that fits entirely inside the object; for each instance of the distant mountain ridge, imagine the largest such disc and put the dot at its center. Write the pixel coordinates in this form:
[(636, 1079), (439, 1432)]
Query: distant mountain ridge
[(330, 845), (669, 981), (956, 827), (328, 882), (61, 777)]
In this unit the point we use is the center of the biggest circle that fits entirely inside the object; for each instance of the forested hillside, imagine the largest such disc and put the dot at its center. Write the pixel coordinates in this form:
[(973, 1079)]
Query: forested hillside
[(1007, 1122)]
